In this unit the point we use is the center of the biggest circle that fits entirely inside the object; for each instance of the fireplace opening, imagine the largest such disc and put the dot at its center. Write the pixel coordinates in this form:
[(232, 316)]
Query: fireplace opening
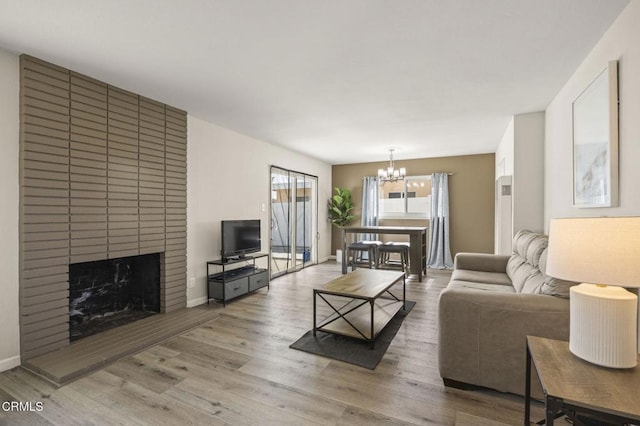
[(109, 293)]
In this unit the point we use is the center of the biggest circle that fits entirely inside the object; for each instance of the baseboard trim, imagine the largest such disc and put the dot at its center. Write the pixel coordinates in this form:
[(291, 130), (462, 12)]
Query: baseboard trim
[(196, 302), (9, 363)]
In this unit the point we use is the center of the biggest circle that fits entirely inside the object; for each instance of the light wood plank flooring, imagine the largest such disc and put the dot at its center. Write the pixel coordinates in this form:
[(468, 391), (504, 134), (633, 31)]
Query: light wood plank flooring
[(96, 351), (238, 369)]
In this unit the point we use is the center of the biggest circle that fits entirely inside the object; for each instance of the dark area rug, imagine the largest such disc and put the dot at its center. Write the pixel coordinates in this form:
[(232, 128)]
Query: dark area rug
[(353, 351)]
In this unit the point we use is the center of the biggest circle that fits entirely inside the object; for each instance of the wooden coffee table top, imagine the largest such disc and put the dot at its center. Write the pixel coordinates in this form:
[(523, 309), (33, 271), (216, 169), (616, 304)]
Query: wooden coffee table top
[(362, 283)]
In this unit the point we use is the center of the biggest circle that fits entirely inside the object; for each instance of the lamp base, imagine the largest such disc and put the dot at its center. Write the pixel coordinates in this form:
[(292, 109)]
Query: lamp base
[(603, 325)]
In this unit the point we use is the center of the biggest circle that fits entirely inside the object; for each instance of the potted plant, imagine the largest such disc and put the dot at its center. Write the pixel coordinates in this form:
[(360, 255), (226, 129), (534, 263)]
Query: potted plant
[(340, 208)]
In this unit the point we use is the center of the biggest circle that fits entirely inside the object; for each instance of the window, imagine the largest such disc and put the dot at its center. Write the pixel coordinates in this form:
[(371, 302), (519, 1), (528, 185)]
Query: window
[(409, 198)]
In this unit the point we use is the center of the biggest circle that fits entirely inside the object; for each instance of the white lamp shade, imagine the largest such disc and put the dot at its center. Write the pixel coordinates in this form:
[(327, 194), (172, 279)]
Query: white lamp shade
[(595, 250)]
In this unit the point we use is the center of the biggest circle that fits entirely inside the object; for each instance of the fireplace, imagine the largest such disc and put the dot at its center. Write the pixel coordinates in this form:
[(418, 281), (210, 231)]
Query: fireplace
[(109, 293), (119, 190)]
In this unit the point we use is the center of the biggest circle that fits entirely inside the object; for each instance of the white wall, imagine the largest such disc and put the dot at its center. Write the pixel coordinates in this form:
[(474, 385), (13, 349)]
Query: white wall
[(504, 152), (528, 172), (503, 214), (228, 177), (520, 154), (9, 213), (619, 42)]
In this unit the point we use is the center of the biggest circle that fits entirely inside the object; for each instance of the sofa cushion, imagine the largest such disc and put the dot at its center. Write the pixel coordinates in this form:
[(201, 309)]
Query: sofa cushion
[(533, 283), (523, 266), (484, 287), (530, 246), (513, 264), (521, 242), (481, 277), (536, 248), (556, 287), (519, 271)]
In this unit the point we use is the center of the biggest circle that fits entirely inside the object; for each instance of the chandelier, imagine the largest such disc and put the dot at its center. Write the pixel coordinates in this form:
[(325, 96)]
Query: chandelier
[(391, 174)]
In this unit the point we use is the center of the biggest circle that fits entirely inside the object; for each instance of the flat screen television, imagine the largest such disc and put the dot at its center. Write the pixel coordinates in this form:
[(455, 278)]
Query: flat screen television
[(240, 237)]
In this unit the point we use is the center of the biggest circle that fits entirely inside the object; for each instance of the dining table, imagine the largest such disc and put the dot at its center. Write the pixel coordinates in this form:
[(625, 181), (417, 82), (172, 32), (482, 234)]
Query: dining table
[(417, 241)]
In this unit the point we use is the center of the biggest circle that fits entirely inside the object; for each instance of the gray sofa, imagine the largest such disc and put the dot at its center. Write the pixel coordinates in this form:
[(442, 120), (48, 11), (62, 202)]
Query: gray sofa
[(488, 308)]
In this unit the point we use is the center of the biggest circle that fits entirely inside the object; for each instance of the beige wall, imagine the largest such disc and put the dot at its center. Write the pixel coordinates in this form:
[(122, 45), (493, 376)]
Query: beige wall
[(471, 196), (9, 127)]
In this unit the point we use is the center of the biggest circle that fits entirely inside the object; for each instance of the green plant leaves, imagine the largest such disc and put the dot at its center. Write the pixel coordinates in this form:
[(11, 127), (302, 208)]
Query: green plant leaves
[(340, 207)]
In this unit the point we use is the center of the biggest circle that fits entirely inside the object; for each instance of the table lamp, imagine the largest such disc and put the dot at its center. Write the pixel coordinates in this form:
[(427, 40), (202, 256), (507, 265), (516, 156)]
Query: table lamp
[(604, 255)]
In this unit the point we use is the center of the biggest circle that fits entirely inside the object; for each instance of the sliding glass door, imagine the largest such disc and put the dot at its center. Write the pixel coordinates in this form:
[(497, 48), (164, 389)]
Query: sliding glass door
[(294, 221)]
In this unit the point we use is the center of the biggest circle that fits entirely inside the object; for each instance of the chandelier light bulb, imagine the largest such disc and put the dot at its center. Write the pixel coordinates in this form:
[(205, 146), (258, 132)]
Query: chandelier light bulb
[(391, 174)]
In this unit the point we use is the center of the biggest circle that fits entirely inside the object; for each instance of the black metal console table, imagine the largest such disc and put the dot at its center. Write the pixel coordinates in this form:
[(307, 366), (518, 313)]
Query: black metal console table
[(236, 277)]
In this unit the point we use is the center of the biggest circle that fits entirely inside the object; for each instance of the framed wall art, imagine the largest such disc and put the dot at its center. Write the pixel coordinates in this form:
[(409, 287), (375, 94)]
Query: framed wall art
[(595, 142)]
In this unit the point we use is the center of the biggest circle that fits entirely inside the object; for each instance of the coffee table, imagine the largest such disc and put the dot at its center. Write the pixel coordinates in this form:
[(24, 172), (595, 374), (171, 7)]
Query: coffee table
[(360, 310)]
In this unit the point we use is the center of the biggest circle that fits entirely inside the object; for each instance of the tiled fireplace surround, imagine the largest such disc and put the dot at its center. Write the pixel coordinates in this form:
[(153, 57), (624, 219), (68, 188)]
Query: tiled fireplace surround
[(102, 176)]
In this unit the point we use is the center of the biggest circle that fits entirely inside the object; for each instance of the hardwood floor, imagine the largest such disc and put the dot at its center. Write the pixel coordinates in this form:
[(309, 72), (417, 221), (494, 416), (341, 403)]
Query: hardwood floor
[(96, 351), (238, 369)]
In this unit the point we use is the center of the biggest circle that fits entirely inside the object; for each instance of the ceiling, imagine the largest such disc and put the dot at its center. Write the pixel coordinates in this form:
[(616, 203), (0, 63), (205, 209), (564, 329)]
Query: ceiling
[(339, 80)]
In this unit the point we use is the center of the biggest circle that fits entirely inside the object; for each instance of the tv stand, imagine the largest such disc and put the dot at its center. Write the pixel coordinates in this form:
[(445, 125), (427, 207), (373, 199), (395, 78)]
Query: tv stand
[(233, 259), (231, 281)]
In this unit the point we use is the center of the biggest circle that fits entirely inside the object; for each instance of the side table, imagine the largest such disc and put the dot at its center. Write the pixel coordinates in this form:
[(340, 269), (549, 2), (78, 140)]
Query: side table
[(573, 386)]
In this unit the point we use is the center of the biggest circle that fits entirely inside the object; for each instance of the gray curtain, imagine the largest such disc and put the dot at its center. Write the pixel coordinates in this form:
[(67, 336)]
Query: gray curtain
[(439, 250), (370, 205)]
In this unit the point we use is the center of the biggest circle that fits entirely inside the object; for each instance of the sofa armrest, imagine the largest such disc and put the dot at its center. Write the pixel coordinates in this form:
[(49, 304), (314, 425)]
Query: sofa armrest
[(481, 262), (482, 335)]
